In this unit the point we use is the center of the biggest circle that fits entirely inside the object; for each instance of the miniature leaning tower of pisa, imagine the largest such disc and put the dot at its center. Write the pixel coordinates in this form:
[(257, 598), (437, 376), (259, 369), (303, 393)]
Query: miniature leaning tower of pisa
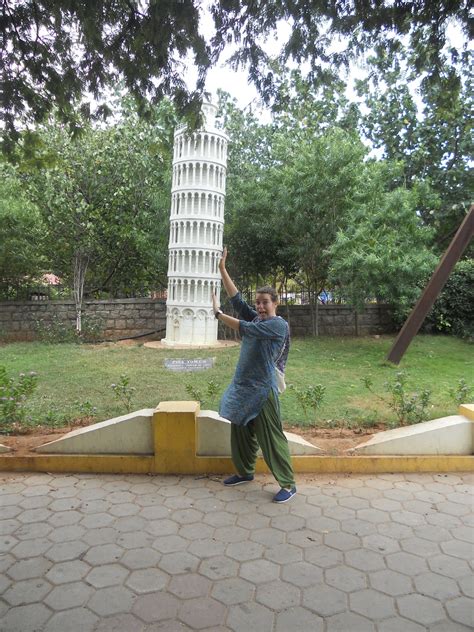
[(196, 230)]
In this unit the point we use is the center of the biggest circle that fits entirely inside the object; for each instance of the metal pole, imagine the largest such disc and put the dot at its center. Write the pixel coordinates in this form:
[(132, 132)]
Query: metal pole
[(430, 294)]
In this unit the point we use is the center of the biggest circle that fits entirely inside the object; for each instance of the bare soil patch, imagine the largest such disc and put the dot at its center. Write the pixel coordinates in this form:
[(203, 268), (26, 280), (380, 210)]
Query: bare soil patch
[(333, 441)]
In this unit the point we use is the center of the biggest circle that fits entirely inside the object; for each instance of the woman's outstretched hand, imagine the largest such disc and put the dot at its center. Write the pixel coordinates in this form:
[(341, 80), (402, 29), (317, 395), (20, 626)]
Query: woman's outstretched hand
[(223, 259)]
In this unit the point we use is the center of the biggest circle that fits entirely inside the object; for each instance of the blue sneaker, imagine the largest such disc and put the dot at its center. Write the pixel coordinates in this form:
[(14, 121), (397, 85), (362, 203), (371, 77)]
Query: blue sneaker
[(284, 495), (235, 479)]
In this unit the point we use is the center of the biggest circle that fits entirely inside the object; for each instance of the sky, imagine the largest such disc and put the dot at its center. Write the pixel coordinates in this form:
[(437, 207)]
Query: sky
[(236, 83)]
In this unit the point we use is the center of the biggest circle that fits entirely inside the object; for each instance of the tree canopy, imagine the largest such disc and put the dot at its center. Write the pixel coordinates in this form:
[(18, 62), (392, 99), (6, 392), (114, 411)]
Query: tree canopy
[(63, 55)]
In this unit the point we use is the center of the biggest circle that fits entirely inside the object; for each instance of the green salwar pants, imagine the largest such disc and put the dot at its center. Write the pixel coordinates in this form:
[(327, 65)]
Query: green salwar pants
[(265, 431)]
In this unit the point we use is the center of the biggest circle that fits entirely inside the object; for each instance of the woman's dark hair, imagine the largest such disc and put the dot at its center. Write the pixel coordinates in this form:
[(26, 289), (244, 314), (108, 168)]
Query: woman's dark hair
[(268, 289)]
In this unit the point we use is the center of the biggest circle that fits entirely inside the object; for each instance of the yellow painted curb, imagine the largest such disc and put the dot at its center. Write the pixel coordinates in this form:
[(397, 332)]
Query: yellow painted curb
[(467, 410), (130, 464), (174, 438)]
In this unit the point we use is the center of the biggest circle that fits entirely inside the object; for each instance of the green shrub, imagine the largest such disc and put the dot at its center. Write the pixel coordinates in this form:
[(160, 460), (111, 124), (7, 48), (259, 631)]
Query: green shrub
[(409, 408), (13, 396), (453, 311), (123, 392), (55, 330), (310, 397)]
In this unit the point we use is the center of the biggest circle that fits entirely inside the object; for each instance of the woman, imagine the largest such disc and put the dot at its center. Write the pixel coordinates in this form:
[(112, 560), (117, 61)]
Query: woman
[(251, 400)]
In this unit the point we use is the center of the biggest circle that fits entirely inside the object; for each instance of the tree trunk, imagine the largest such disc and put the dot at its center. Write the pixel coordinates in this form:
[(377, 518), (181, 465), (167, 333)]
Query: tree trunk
[(316, 316), (81, 261)]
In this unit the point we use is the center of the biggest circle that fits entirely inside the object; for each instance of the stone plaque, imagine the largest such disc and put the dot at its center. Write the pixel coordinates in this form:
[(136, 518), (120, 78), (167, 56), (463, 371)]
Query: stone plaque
[(189, 364)]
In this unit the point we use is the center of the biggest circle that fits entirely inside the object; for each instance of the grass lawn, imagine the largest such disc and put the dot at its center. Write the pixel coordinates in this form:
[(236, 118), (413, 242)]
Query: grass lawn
[(70, 375)]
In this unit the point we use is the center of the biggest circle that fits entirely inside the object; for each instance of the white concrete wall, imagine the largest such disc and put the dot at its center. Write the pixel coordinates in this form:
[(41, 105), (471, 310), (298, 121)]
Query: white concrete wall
[(447, 435)]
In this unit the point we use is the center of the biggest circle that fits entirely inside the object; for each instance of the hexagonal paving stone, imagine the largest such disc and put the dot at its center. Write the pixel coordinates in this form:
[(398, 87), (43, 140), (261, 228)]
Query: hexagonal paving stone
[(196, 531), (244, 551), (220, 518), (170, 544), (302, 574), (140, 558), (391, 583), (373, 515), (33, 530), (26, 618), (129, 523), (147, 580), (345, 578), (105, 554), (66, 551), (461, 610), (323, 556), (94, 537), (356, 526), (231, 534), (324, 600), (422, 609), (253, 521), (364, 560), (107, 575), (135, 540), (31, 548), (113, 600), (75, 595), (436, 586), (119, 622), (282, 553), (189, 586), (418, 546), (28, 569), (372, 604), (156, 607), (406, 563), (288, 523), (466, 584), (278, 595), (97, 520), (259, 571), (218, 567), (349, 621), (342, 541), (65, 572), (8, 527), (27, 591), (298, 619), (304, 538), (251, 616), (207, 547), (400, 624), (458, 548), (202, 613), (267, 536), (233, 591), (180, 562), (449, 566)]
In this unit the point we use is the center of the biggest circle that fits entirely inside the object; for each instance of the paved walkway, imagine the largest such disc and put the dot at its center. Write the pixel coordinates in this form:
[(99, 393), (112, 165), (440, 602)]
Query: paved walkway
[(387, 553)]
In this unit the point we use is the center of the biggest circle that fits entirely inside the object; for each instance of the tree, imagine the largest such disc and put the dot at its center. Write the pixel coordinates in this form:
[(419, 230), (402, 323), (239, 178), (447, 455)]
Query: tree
[(315, 194), (430, 134), (21, 234), (56, 51), (383, 251), (105, 203)]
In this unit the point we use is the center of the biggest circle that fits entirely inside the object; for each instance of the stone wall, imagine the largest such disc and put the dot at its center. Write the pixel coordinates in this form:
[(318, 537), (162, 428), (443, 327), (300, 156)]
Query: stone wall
[(129, 317), (117, 318), (339, 320)]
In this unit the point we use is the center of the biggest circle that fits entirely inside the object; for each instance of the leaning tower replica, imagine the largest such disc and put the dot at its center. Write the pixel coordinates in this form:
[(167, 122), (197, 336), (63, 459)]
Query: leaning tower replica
[(196, 229)]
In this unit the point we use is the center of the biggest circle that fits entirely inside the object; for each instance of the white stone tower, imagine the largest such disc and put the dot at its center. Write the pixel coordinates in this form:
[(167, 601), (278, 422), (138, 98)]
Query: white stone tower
[(196, 229)]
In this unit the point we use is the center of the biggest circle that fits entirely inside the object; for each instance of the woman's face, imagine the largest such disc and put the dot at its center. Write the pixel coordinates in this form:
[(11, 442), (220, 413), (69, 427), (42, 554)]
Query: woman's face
[(265, 307)]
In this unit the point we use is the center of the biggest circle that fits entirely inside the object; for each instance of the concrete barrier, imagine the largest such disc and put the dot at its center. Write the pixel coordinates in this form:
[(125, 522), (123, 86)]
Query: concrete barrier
[(447, 435)]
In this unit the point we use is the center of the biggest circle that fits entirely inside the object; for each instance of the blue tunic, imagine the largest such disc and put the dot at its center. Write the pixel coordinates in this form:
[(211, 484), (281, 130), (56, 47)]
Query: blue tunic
[(264, 342)]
